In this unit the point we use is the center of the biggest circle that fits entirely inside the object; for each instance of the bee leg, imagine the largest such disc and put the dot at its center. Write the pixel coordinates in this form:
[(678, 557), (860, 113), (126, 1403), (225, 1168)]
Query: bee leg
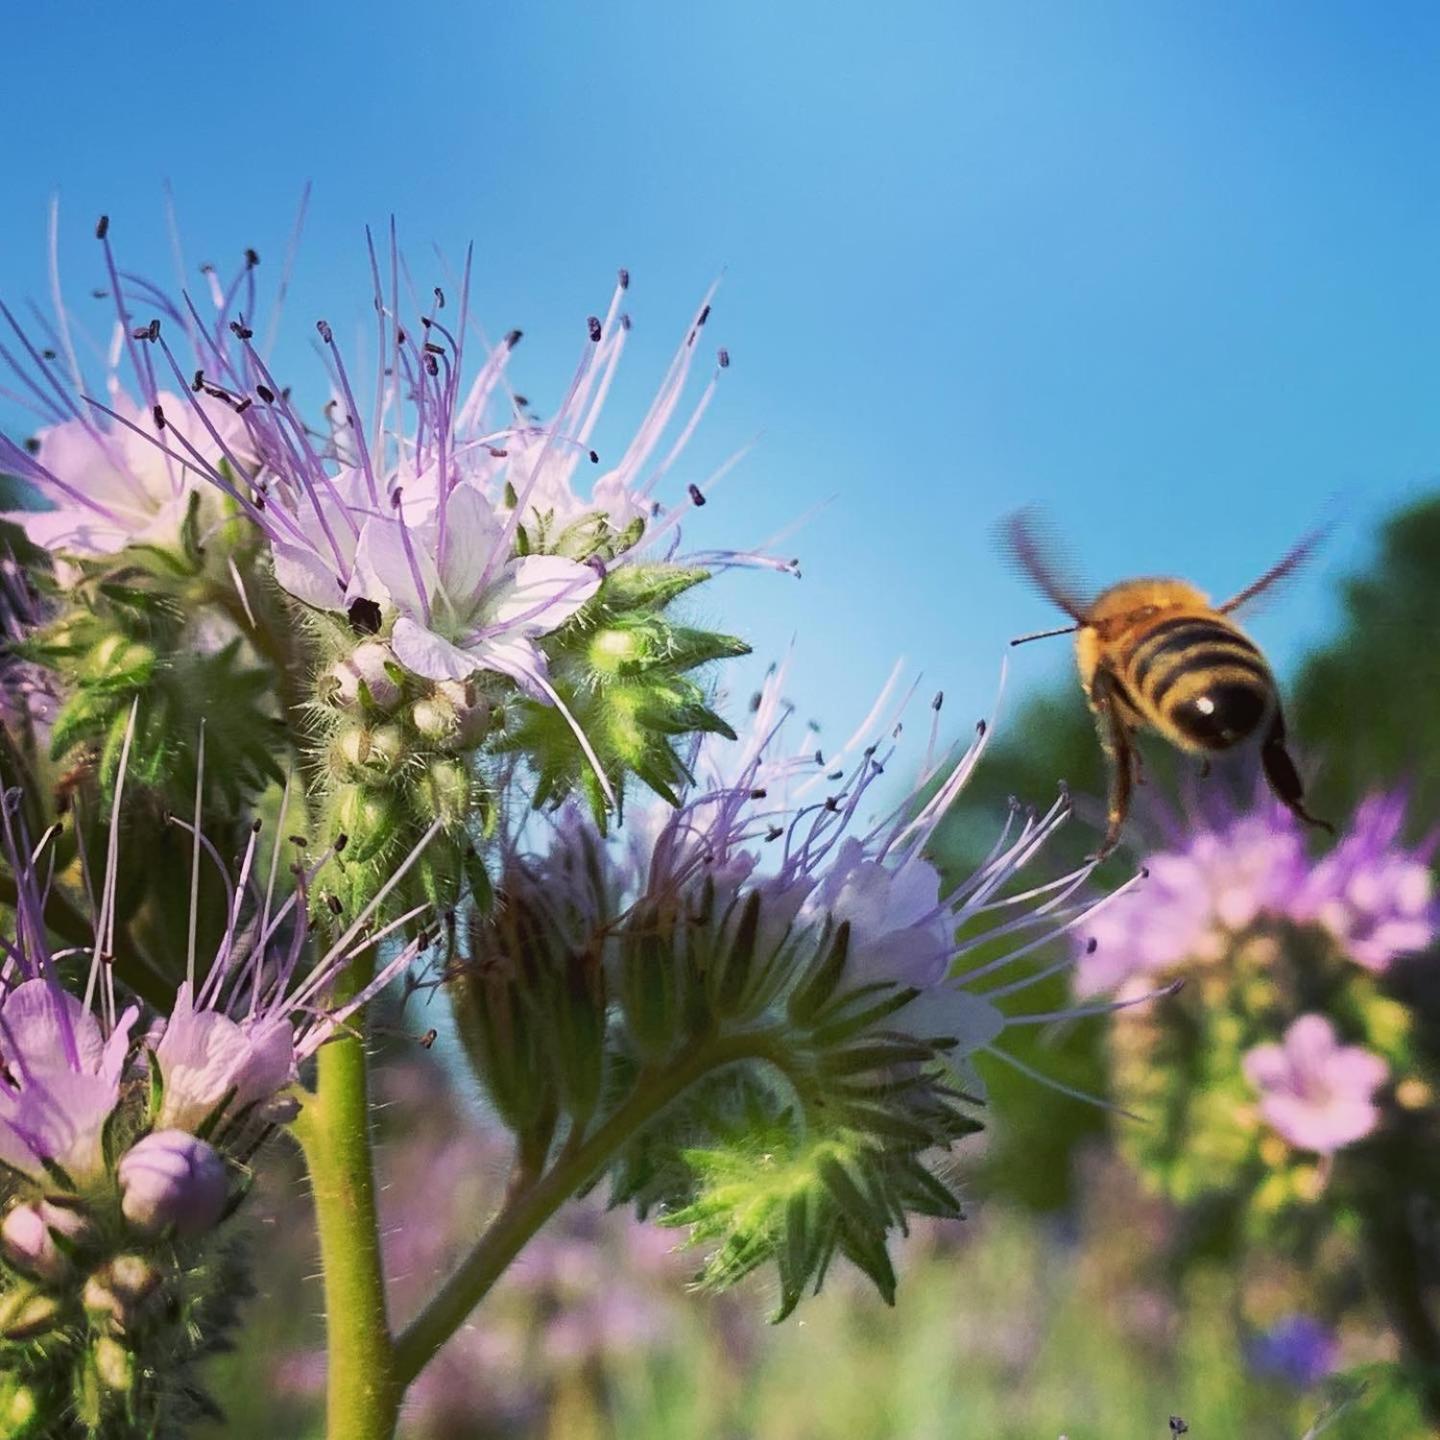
[(1284, 779), (1121, 753)]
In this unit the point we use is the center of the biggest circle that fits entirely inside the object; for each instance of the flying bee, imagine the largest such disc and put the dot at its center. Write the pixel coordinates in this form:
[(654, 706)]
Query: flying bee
[(1156, 654)]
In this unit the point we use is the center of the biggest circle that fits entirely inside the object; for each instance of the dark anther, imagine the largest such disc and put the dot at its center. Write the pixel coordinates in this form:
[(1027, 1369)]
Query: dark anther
[(832, 804), (32, 445), (774, 833), (1091, 945), (157, 412), (265, 393), (980, 728), (836, 775), (428, 1039), (326, 333), (431, 348), (364, 616), (496, 453), (938, 701), (102, 227), (252, 257), (755, 700), (625, 322), (704, 316), (49, 354), (522, 401), (594, 457), (299, 841), (1144, 873), (512, 338), (819, 757), (759, 794), (256, 826), (696, 497), (593, 325), (198, 381), (439, 297), (99, 294), (243, 404), (239, 331), (426, 321), (723, 356), (341, 841), (624, 278), (400, 337), (332, 902), (432, 365)]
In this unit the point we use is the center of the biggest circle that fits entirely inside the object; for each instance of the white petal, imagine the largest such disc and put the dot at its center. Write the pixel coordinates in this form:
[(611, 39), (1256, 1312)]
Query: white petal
[(425, 653), (472, 532), (534, 595), (303, 574), (383, 571)]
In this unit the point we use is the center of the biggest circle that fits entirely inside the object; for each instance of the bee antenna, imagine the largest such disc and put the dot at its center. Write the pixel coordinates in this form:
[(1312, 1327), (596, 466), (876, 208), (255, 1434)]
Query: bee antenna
[(1045, 634)]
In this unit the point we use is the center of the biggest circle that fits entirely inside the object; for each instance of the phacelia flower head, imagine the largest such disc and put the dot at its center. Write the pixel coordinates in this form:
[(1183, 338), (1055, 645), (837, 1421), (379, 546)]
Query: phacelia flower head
[(775, 838), (125, 469), (234, 1040), (1316, 1093), (1229, 870), (1372, 895), (60, 1063)]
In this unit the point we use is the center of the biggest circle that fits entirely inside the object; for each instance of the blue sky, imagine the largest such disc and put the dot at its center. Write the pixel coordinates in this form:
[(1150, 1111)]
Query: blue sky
[(1170, 271)]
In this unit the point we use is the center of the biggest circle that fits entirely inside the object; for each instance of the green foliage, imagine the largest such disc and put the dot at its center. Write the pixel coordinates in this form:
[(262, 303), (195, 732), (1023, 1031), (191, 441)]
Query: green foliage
[(1367, 706), (624, 669)]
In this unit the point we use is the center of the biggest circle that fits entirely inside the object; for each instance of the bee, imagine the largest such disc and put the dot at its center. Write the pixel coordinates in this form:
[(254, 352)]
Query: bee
[(1156, 654)]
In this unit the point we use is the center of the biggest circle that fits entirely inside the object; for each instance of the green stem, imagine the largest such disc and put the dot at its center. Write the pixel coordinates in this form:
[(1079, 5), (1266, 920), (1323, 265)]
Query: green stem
[(362, 1391), (528, 1209)]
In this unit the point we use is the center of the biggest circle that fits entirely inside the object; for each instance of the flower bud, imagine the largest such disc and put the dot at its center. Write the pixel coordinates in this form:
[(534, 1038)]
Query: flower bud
[(446, 791), (370, 751), (115, 1292), (26, 1313), (368, 817), (27, 1237), (114, 1364), (366, 666), (172, 1179), (454, 715)]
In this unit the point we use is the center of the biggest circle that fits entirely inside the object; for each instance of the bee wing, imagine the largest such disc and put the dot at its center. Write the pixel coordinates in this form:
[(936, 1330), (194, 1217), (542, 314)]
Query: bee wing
[(1031, 546), (1282, 571)]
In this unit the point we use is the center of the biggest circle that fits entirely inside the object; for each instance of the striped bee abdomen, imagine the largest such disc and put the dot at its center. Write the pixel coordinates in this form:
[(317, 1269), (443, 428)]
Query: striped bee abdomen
[(1201, 680)]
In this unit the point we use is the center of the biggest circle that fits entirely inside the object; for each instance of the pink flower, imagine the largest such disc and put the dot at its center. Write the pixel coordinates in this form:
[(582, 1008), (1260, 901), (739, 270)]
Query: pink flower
[(1316, 1093)]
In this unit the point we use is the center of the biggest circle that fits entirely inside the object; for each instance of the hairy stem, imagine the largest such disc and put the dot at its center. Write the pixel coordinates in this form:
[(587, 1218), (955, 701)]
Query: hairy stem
[(362, 1390), (528, 1208)]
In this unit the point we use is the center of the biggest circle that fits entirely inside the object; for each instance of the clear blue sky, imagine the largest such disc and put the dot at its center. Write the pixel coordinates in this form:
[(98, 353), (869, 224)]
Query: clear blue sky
[(1171, 271)]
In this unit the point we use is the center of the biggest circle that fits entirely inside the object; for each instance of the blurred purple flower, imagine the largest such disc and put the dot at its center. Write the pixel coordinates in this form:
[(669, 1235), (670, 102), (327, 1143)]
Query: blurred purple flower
[(1316, 1093), (1298, 1350), (1374, 897)]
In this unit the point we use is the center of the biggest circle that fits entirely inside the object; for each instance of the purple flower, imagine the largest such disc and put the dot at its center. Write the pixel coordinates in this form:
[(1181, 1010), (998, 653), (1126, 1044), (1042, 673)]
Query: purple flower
[(1375, 898), (1298, 1350), (1195, 898), (126, 472), (1316, 1093), (172, 1180), (27, 1237), (233, 1044), (60, 1065)]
